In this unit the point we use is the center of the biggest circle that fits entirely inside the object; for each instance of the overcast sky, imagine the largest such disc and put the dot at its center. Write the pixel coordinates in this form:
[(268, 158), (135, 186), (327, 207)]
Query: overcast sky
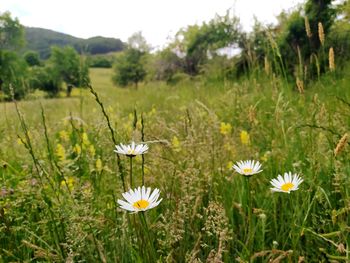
[(157, 19)]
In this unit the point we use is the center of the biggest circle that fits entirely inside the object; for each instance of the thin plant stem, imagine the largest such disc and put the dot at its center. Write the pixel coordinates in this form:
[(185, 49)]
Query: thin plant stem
[(130, 172), (250, 222), (120, 165), (146, 229), (143, 156)]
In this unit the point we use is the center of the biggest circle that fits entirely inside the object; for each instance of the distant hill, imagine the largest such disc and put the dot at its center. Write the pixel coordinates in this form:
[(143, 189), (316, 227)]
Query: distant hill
[(40, 40)]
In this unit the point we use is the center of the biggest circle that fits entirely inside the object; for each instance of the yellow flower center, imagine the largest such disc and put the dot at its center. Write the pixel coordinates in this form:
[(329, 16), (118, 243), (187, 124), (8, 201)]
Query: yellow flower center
[(141, 204), (286, 187), (131, 152), (247, 170)]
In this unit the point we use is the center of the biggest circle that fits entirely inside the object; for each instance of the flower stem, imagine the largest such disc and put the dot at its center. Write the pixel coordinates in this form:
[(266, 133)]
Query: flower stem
[(146, 229), (130, 172), (250, 222)]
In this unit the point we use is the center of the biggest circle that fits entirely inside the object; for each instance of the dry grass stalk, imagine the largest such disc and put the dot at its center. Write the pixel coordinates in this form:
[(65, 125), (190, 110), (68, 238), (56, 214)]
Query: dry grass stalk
[(321, 33), (40, 252), (341, 144), (307, 27), (300, 85), (331, 59), (266, 66)]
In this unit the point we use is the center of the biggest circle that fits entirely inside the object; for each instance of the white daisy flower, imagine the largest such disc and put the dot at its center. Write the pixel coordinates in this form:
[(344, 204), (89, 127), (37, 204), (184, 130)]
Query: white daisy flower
[(289, 182), (247, 168), (132, 149), (140, 199)]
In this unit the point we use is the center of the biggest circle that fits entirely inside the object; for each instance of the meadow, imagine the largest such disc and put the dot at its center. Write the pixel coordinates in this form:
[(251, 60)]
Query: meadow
[(60, 177)]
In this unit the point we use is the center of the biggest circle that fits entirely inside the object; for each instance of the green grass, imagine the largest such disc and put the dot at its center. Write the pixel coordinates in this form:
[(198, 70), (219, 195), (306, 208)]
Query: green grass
[(58, 203)]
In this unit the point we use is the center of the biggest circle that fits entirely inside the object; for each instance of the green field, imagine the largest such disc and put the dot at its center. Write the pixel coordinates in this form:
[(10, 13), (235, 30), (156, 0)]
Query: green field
[(60, 178)]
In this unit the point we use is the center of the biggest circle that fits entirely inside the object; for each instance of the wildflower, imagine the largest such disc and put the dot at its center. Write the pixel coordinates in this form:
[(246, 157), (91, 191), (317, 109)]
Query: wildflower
[(225, 128), (153, 111), (132, 149), (92, 150), (60, 152), (140, 199), (63, 135), (229, 165), (77, 149), (85, 139), (110, 109), (68, 182), (247, 168), (175, 143), (98, 165), (266, 156), (245, 138), (290, 182), (19, 141)]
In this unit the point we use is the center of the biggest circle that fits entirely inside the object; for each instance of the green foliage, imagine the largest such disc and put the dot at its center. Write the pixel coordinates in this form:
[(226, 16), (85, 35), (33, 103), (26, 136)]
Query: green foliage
[(13, 74), (319, 11), (41, 40), (32, 58), (129, 68), (60, 183), (101, 45), (295, 44), (12, 67), (11, 32), (99, 61), (45, 79), (164, 65), (69, 67), (196, 42)]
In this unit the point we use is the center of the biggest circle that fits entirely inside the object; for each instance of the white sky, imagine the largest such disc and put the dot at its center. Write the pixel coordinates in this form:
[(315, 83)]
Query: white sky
[(157, 19)]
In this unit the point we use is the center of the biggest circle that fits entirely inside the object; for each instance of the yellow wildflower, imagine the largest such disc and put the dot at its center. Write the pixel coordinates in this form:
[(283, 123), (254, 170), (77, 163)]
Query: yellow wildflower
[(175, 143), (266, 156), (153, 111), (229, 165), (92, 150), (60, 152), (245, 139), (19, 141), (68, 182), (225, 128), (85, 139), (98, 165), (63, 135), (110, 109), (77, 149)]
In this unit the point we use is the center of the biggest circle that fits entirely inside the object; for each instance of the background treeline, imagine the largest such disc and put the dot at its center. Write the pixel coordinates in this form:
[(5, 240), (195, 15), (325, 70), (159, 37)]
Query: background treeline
[(41, 40), (308, 41)]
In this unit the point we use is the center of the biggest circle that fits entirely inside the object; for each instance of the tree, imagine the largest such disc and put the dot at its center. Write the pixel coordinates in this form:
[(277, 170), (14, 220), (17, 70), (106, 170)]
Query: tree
[(200, 42), (12, 75), (12, 67), (69, 67), (32, 58), (11, 32), (45, 79), (299, 34), (165, 65), (129, 68), (138, 42)]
